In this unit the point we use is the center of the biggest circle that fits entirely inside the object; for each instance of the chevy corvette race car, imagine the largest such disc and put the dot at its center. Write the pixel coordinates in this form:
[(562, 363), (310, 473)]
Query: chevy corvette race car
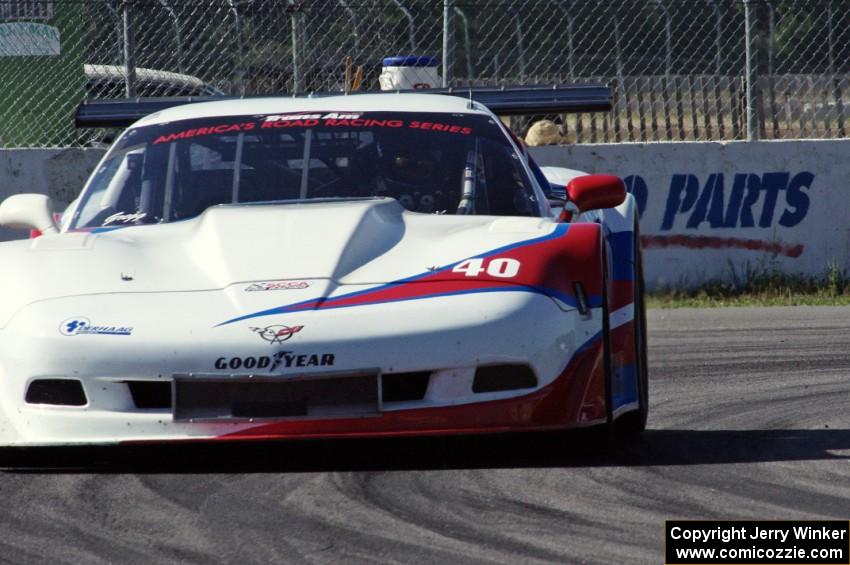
[(363, 265)]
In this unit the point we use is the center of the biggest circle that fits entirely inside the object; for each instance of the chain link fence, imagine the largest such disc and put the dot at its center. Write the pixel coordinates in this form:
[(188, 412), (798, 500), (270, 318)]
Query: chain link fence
[(681, 69)]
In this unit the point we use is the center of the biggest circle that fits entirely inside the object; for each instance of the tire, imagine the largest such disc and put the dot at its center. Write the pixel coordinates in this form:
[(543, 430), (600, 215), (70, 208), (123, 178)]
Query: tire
[(634, 422)]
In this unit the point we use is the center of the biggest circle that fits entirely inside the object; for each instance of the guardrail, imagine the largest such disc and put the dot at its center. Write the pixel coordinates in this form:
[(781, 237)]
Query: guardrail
[(717, 210)]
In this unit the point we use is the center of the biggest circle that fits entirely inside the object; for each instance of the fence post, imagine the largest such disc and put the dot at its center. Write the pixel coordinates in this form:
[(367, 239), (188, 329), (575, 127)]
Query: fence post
[(718, 32), (294, 9), (668, 37), (177, 35), (567, 10), (618, 52), (467, 45), (129, 52), (835, 82), (239, 86), (447, 46), (519, 45), (355, 27), (752, 69), (411, 25), (119, 34)]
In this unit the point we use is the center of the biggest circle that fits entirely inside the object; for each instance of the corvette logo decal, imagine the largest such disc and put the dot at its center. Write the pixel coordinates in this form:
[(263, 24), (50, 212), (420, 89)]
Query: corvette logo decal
[(278, 333)]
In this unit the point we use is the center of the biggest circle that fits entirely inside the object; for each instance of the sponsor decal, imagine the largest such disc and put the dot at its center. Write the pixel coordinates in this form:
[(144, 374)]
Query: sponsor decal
[(29, 39), (277, 333), (745, 201), (720, 200), (769, 200), (297, 117), (125, 218), (281, 359), (328, 120), (277, 285), (447, 128), (198, 132), (83, 326)]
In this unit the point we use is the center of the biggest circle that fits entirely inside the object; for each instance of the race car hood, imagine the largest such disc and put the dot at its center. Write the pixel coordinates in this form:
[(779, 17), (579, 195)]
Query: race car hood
[(331, 244)]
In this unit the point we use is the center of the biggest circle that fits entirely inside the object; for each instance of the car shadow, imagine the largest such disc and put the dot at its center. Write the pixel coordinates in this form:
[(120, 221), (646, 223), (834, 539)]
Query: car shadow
[(592, 448)]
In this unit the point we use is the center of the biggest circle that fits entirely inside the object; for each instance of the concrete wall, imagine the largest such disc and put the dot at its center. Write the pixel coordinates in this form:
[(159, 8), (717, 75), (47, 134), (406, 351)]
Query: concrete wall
[(59, 173), (707, 209), (717, 209)]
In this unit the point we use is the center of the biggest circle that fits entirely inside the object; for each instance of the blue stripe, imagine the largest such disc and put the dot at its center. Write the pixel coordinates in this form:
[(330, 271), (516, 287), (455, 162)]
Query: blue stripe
[(107, 229), (622, 255), (625, 386), (283, 310), (594, 301)]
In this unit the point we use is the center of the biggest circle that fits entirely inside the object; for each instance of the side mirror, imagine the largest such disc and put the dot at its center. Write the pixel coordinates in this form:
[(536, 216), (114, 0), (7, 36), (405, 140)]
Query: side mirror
[(556, 196), (594, 192), (28, 212)]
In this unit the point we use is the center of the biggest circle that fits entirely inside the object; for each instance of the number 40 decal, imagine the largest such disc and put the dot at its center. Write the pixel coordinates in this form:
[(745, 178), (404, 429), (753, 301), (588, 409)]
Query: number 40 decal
[(499, 267)]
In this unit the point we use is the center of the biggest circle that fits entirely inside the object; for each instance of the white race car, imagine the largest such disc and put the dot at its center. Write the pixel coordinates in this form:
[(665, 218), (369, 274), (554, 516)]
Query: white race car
[(369, 265)]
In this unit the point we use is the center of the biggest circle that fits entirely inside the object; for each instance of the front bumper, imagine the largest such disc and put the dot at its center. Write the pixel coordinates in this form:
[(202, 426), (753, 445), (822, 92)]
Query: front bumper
[(563, 349), (575, 398)]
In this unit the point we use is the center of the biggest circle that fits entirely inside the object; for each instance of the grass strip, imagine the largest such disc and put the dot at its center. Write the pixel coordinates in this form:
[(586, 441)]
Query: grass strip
[(758, 288)]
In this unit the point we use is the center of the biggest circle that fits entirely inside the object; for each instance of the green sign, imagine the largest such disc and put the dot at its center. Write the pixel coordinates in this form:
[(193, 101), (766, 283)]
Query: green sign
[(41, 72)]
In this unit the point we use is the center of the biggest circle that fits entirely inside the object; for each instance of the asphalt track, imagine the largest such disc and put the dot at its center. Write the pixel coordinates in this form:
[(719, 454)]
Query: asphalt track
[(750, 418)]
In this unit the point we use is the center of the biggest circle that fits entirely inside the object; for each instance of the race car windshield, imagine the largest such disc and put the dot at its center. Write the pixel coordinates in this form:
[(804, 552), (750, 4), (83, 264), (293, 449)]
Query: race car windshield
[(433, 163)]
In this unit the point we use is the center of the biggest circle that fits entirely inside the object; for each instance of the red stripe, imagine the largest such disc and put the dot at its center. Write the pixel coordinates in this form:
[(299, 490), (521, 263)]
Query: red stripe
[(621, 293), (623, 344), (419, 289), (710, 242), (551, 264)]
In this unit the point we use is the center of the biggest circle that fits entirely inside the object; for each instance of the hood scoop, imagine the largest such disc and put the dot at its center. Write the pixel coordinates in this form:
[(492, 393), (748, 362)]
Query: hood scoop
[(326, 240)]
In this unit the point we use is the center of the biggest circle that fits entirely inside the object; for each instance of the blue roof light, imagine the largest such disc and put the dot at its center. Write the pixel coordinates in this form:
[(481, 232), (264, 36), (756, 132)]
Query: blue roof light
[(410, 61)]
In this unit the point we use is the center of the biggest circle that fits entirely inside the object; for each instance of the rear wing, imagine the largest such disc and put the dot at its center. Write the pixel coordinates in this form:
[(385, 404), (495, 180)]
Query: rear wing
[(504, 101)]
